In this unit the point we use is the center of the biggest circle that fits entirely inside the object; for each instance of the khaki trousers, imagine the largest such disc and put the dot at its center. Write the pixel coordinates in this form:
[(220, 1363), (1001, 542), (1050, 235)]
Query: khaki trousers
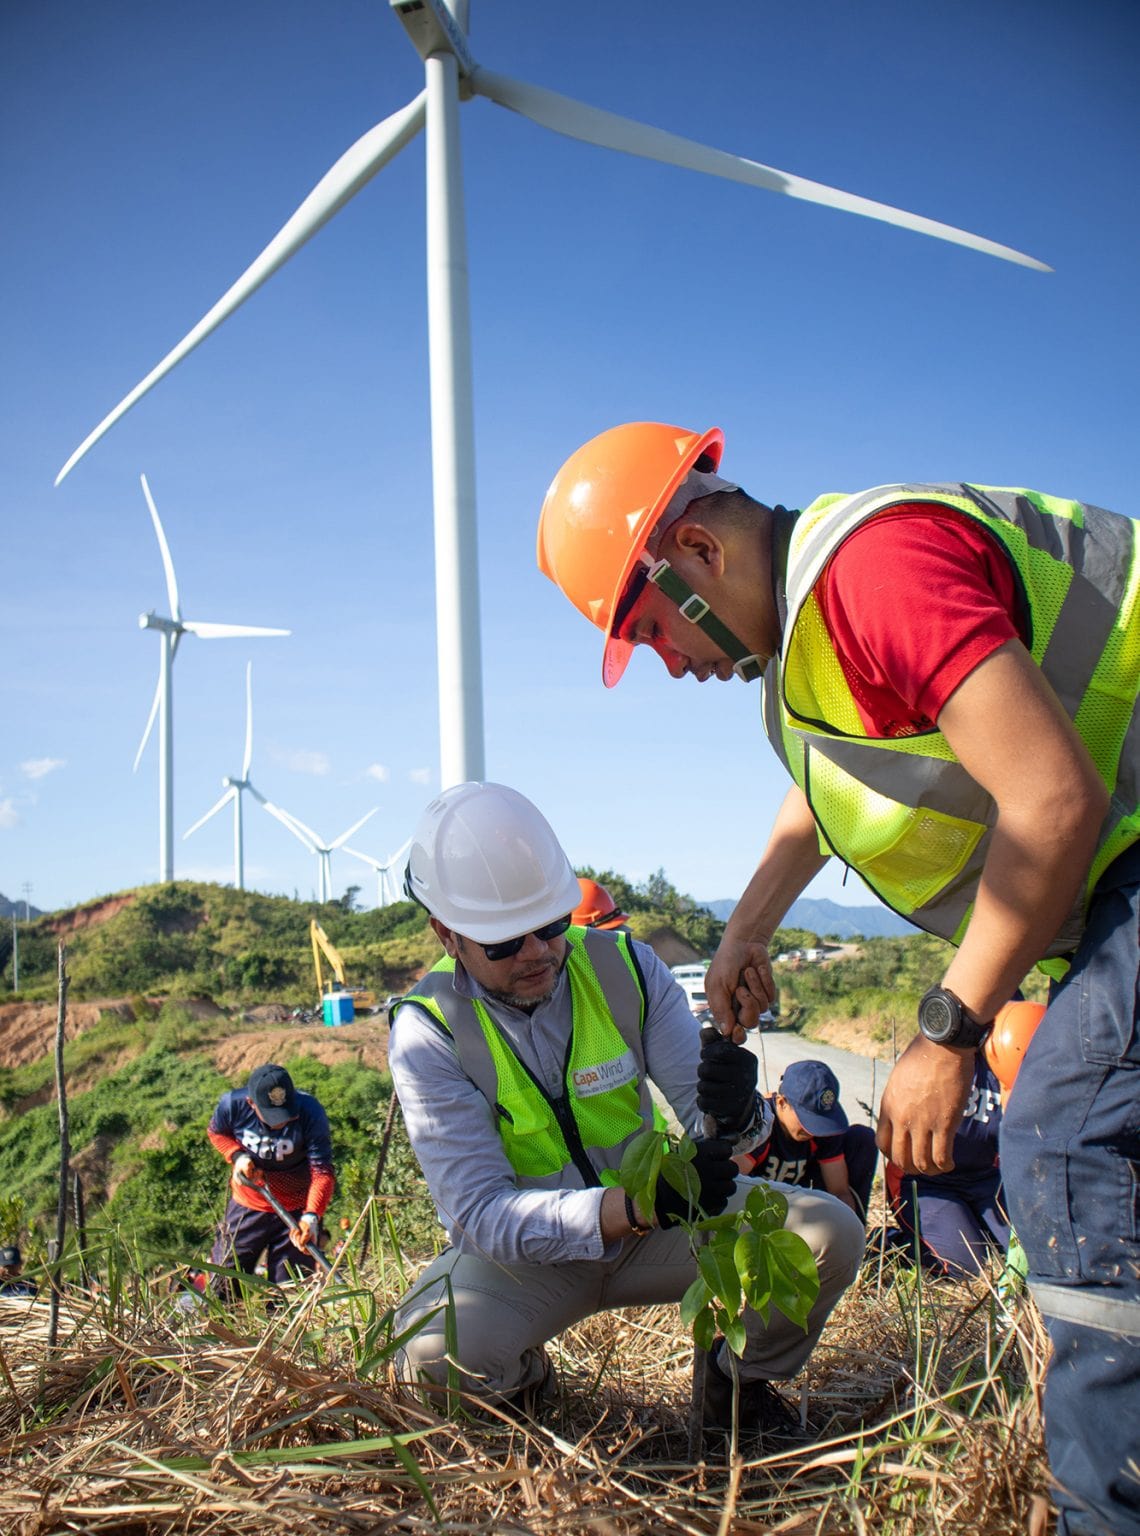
[(500, 1316)]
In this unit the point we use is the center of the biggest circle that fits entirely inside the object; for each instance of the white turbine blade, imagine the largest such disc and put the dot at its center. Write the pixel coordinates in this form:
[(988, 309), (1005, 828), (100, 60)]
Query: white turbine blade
[(256, 793), (594, 126), (228, 631), (248, 758), (353, 170), (300, 831), (164, 547), (399, 855), (366, 858), (213, 811), (150, 719), (354, 828)]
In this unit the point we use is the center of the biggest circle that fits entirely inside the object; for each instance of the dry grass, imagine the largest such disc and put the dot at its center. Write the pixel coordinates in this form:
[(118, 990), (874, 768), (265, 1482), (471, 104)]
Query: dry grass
[(148, 1421)]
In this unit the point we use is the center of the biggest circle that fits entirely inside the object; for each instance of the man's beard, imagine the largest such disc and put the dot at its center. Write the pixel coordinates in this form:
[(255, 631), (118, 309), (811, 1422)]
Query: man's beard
[(530, 1003)]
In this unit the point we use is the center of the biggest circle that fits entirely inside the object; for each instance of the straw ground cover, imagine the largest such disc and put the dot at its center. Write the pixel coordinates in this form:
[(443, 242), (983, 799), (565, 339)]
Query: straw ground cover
[(155, 1416)]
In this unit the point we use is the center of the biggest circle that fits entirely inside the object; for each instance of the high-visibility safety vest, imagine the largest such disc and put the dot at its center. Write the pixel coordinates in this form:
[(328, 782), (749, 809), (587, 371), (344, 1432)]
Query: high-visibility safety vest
[(901, 810), (605, 1100)]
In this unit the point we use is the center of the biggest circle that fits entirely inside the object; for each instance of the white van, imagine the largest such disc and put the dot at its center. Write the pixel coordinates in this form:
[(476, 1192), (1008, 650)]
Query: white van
[(691, 979)]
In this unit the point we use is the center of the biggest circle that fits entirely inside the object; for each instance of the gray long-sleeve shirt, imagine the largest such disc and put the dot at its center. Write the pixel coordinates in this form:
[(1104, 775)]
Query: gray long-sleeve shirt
[(452, 1127)]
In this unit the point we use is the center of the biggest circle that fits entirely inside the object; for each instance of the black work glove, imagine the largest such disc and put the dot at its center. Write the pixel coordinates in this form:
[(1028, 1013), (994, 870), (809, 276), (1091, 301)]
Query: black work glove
[(716, 1171), (726, 1081)]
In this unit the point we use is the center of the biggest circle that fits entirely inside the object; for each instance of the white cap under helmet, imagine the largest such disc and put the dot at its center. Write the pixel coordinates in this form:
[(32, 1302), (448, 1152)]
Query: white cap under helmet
[(487, 864)]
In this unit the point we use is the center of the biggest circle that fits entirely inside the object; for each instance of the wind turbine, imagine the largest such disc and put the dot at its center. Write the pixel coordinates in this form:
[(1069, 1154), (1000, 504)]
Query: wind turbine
[(170, 632), (235, 788), (438, 31), (314, 844), (389, 887)]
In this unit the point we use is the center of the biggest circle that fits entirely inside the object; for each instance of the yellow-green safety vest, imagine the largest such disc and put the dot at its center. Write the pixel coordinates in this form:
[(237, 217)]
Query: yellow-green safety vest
[(605, 1100), (901, 810)]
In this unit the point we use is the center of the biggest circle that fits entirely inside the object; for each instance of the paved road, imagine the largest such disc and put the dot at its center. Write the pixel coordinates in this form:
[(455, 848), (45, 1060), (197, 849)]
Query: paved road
[(861, 1078)]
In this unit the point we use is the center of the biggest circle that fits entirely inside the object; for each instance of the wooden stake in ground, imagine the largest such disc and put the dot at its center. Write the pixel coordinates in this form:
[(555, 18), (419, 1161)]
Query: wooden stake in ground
[(79, 1218), (64, 1150)]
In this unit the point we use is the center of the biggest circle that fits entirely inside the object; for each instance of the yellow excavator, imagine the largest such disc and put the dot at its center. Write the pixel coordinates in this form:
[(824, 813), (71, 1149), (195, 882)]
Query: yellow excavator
[(339, 1001)]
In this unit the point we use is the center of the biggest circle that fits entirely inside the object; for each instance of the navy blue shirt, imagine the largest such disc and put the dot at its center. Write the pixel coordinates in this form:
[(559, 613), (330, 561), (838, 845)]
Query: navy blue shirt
[(786, 1160), (296, 1157)]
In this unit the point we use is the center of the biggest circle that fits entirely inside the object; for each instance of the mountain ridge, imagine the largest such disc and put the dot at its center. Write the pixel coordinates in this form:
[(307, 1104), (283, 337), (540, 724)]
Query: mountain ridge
[(819, 915)]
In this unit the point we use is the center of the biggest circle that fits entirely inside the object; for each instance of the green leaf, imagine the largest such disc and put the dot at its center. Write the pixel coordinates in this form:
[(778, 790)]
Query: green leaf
[(695, 1298), (683, 1177), (716, 1264), (721, 1223), (735, 1336), (640, 1165), (766, 1209), (793, 1275), (704, 1329)]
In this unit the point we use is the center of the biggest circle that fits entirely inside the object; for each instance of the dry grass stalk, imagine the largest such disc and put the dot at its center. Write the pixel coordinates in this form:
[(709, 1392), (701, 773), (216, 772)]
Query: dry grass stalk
[(148, 1421)]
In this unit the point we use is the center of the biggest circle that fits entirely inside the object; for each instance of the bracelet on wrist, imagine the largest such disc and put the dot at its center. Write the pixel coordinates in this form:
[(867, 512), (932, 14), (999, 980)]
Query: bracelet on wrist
[(636, 1228)]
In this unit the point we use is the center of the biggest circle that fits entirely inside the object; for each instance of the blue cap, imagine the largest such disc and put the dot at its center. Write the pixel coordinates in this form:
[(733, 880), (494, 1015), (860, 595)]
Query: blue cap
[(812, 1089), (270, 1091)]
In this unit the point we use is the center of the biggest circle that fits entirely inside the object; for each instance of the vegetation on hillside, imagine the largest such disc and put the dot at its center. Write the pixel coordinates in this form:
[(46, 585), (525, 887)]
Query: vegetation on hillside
[(138, 1135), (239, 947)]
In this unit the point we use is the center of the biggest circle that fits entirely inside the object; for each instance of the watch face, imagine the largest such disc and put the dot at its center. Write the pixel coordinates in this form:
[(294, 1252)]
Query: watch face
[(938, 1018)]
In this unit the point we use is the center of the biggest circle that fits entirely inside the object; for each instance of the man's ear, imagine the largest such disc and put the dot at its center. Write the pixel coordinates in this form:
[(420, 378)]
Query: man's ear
[(445, 936), (697, 543)]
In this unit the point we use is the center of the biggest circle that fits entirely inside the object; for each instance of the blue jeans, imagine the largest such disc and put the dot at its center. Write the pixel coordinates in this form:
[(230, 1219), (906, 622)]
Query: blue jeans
[(1070, 1156), (960, 1220)]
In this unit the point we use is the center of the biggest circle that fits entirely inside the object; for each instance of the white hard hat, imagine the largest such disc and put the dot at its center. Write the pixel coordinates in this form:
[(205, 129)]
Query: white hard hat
[(487, 864)]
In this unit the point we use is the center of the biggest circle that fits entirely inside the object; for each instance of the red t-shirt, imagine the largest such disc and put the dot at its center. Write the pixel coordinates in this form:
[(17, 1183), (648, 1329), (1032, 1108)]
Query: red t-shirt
[(914, 600)]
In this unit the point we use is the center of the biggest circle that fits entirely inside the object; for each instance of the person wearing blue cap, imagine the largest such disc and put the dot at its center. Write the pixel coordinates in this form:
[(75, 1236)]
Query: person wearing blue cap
[(813, 1144), (276, 1137)]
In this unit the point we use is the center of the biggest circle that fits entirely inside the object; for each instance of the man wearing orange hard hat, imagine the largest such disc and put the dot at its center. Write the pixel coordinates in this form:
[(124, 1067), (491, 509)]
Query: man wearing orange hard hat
[(950, 678), (597, 908)]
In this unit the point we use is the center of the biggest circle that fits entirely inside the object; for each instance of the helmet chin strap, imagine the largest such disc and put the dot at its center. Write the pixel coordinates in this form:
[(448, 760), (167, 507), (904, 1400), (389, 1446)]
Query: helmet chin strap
[(690, 605)]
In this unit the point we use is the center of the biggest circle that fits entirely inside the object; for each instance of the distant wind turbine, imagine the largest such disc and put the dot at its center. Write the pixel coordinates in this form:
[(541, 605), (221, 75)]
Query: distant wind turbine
[(439, 34), (170, 632), (389, 886), (235, 787), (314, 844)]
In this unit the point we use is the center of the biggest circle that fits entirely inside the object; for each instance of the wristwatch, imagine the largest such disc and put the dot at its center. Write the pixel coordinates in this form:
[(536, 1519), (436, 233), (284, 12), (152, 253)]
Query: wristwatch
[(945, 1020)]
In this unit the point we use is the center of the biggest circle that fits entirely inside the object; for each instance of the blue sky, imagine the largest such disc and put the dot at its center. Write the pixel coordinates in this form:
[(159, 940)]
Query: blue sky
[(147, 153)]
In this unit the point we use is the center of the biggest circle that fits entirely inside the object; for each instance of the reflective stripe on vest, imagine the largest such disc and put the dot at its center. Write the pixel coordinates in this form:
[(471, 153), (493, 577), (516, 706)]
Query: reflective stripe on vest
[(606, 1098), (901, 810)]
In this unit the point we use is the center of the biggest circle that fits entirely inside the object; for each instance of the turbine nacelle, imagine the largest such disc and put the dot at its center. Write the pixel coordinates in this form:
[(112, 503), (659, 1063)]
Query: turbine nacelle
[(451, 77)]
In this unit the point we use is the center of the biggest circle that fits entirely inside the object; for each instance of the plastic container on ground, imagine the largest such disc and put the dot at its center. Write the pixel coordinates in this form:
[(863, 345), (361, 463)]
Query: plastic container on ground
[(337, 1008)]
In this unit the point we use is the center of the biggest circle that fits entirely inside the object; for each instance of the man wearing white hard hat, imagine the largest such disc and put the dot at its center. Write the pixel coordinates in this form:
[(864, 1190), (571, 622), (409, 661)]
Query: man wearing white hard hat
[(523, 1062)]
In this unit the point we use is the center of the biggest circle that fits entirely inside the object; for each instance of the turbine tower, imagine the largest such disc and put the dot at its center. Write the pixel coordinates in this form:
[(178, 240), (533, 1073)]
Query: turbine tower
[(314, 844), (170, 632), (235, 787), (451, 76), (389, 887)]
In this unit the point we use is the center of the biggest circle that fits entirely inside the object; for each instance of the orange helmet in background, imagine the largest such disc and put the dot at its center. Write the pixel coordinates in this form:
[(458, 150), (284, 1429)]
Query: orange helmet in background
[(1014, 1027), (597, 909), (600, 510)]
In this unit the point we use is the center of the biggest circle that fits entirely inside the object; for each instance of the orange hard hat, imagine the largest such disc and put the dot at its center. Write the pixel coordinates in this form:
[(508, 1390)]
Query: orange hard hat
[(597, 909), (602, 506), (1009, 1039)]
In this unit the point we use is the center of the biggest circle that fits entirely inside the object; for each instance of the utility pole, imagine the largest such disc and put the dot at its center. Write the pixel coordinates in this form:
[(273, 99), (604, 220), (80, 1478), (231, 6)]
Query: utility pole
[(15, 952)]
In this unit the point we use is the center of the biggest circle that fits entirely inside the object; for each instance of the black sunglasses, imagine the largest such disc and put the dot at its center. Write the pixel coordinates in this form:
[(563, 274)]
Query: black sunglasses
[(508, 947)]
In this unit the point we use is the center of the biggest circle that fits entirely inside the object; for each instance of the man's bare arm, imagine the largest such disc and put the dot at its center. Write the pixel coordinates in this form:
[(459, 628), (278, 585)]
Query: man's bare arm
[(739, 983), (1010, 733)]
